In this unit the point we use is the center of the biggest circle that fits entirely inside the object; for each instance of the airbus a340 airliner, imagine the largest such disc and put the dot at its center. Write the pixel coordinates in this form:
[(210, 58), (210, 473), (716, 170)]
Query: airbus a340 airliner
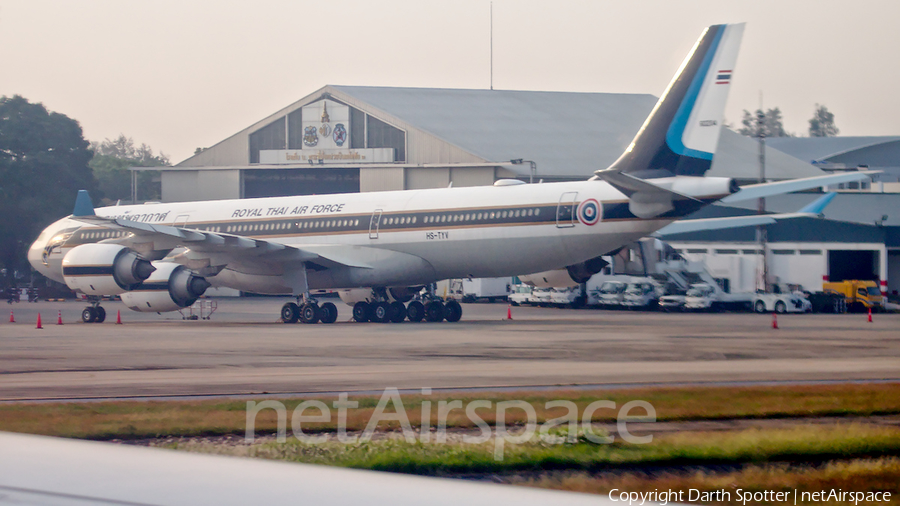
[(379, 249)]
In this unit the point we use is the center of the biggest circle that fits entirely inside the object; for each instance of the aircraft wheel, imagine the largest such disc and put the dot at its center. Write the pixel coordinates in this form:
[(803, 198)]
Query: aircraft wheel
[(780, 308), (309, 313), (396, 312), (434, 311), (452, 311), (415, 311), (760, 306), (361, 312), (290, 312), (329, 312), (101, 315), (88, 315), (379, 312)]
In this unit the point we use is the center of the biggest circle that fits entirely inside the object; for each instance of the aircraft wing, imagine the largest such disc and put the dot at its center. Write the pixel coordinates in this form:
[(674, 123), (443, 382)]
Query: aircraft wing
[(206, 249), (67, 472)]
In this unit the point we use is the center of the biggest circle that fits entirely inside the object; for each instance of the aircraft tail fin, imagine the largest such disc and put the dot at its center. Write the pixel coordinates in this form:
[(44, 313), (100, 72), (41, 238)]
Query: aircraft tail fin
[(681, 133), (83, 204)]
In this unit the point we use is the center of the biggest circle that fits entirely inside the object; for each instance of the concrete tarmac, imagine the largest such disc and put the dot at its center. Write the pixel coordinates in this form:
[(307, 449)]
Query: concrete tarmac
[(244, 350)]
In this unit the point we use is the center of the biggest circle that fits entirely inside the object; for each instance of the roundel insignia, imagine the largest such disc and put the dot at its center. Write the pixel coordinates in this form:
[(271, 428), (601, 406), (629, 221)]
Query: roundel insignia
[(589, 212)]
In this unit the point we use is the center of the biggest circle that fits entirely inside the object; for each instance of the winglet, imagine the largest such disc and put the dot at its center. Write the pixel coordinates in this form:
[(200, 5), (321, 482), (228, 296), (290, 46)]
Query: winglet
[(818, 205), (83, 204)]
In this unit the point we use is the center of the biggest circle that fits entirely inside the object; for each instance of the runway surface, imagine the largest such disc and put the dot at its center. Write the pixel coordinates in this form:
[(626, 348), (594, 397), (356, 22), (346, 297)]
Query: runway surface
[(243, 350)]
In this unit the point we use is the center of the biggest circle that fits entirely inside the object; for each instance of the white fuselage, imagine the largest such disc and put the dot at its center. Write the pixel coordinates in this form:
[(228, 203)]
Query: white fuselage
[(486, 231)]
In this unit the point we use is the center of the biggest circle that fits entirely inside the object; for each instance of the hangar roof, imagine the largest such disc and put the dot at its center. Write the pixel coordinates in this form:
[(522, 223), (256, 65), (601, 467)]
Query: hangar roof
[(567, 134), (838, 149)]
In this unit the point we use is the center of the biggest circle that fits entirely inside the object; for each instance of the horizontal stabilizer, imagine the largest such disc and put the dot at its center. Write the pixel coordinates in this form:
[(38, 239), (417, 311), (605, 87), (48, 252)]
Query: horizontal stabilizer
[(761, 190)]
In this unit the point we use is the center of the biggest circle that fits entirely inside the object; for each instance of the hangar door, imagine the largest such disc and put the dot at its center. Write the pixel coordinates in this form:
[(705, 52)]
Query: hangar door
[(852, 264)]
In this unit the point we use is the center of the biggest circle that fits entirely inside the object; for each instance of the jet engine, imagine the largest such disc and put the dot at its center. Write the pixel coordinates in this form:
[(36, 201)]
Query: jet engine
[(571, 276), (104, 269), (169, 288)]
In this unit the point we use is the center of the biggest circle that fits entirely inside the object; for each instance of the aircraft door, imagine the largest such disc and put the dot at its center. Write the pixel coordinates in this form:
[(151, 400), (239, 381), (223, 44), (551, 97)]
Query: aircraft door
[(565, 211), (374, 223)]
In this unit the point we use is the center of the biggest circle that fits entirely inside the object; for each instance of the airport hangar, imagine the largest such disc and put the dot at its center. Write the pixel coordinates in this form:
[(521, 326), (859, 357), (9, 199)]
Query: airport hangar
[(343, 139)]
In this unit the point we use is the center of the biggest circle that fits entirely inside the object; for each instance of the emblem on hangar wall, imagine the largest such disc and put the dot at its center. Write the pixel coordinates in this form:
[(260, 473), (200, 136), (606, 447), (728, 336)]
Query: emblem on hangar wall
[(310, 137), (340, 134)]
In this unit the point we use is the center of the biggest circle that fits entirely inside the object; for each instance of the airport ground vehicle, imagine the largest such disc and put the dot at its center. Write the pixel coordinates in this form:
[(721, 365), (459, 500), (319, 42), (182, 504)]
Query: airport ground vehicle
[(830, 302), (789, 302), (672, 302), (710, 296), (573, 297), (612, 293), (860, 295), (540, 297), (520, 294), (643, 293), (475, 289)]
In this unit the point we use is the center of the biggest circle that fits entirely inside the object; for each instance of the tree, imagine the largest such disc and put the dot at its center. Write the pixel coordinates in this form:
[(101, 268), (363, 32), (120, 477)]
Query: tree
[(43, 163), (773, 124), (822, 123), (111, 162)]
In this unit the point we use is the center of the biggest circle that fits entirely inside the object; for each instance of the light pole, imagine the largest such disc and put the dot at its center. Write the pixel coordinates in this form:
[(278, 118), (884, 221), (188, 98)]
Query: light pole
[(520, 161)]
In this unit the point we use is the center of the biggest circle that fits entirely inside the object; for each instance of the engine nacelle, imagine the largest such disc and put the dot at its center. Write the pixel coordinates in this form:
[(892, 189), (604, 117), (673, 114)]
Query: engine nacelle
[(104, 269), (571, 276), (169, 288)]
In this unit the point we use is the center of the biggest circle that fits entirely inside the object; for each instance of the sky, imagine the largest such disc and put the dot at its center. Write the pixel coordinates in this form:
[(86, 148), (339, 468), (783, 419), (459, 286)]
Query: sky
[(182, 74)]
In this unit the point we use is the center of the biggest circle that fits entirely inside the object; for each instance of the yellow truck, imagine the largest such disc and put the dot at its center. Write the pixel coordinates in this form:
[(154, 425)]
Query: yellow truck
[(860, 295)]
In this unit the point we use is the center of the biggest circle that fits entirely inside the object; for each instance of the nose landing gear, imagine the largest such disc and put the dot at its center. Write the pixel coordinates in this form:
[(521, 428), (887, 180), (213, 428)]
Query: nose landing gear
[(93, 313)]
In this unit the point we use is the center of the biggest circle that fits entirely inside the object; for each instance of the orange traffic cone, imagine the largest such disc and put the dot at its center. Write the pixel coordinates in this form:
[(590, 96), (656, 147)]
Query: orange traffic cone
[(870, 315), (12, 319), (509, 311), (59, 318), (118, 317), (774, 320), (39, 326)]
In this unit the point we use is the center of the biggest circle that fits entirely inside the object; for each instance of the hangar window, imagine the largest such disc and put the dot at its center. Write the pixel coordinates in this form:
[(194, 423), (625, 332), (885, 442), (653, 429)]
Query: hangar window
[(703, 251), (810, 252), (783, 252), (751, 251), (726, 252)]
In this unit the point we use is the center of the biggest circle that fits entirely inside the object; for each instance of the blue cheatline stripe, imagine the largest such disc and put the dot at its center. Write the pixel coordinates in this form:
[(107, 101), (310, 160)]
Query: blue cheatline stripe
[(676, 129)]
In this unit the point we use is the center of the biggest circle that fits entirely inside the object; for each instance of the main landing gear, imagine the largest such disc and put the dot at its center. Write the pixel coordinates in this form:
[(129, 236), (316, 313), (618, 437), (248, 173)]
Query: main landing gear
[(308, 310), (93, 313), (395, 312)]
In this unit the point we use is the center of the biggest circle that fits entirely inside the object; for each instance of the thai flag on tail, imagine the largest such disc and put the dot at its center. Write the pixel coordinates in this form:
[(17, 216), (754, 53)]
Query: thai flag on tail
[(723, 77)]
